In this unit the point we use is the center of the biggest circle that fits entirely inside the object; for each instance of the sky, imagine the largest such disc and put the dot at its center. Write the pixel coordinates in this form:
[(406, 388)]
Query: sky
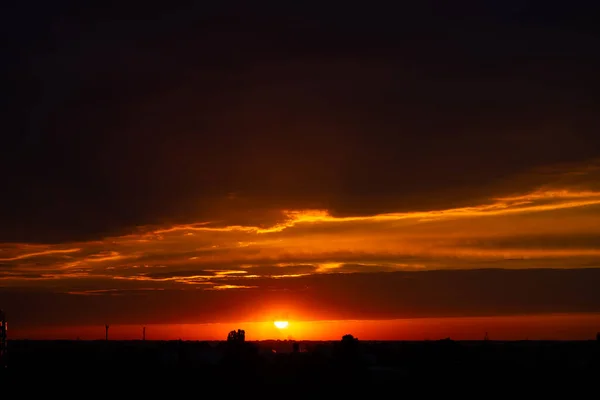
[(227, 164)]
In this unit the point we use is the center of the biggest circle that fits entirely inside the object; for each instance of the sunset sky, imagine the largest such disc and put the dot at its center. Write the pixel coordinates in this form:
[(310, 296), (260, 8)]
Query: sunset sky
[(434, 167)]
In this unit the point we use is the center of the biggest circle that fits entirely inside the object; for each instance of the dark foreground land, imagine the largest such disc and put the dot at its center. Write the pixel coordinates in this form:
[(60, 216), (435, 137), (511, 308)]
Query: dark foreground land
[(343, 364)]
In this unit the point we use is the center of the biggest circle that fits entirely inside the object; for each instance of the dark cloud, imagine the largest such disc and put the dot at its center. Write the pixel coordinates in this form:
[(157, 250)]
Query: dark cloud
[(111, 292), (259, 263), (262, 270), (326, 296), (539, 241), (159, 121), (522, 262), (353, 268), (17, 275), (275, 270), (176, 274)]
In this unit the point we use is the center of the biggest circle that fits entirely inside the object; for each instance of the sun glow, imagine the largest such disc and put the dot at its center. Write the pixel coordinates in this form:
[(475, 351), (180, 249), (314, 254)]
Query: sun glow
[(281, 324)]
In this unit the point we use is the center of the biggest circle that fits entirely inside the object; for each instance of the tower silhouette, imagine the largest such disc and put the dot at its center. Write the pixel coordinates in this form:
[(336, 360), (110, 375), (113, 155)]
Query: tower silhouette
[(3, 341), (144, 333), (106, 326)]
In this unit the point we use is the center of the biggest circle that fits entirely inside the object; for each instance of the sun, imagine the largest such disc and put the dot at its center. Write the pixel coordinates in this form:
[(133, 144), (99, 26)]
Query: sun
[(281, 324)]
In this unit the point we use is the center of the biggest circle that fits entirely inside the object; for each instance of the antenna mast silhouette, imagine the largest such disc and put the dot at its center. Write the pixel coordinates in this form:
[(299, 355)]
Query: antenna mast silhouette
[(144, 333), (3, 342), (106, 326)]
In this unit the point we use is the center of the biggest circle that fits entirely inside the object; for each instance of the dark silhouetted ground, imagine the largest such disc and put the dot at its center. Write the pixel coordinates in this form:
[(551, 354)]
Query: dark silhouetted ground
[(144, 365)]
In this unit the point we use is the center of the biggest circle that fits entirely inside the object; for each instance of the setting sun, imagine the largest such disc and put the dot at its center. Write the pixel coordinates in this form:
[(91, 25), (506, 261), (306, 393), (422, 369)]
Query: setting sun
[(281, 324)]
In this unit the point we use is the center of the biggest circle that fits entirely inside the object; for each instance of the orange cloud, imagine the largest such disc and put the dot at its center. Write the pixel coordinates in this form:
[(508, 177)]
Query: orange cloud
[(39, 254), (407, 240)]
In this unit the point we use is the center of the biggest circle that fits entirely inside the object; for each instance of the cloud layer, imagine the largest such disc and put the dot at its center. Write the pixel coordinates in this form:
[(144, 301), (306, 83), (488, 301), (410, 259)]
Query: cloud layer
[(326, 267)]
